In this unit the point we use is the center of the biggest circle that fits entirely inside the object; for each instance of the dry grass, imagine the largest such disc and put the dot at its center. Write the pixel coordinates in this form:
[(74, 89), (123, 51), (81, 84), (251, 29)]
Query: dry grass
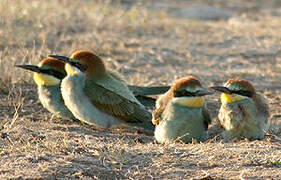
[(134, 39)]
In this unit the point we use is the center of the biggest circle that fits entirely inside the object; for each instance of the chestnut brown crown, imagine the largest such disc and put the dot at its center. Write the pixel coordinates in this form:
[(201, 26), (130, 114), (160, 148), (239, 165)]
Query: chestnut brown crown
[(182, 83), (240, 84), (52, 63), (93, 62)]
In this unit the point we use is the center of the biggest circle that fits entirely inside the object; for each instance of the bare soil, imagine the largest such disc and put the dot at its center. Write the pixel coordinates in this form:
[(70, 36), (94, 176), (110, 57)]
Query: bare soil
[(150, 42)]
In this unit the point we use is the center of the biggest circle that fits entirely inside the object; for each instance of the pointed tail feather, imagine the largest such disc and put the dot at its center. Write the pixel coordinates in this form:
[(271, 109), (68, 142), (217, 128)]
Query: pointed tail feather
[(150, 90), (146, 101)]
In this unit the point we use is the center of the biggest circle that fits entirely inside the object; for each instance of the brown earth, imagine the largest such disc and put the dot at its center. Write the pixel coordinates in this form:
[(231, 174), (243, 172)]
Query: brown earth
[(149, 42)]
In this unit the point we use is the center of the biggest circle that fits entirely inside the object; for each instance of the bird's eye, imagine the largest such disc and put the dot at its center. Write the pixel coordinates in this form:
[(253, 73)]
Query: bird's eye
[(183, 93), (177, 94), (55, 73), (80, 66)]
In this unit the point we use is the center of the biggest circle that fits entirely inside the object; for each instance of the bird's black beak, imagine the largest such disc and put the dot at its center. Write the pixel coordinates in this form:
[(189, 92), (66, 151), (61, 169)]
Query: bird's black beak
[(30, 68), (203, 92), (61, 58), (37, 69), (68, 60), (221, 89)]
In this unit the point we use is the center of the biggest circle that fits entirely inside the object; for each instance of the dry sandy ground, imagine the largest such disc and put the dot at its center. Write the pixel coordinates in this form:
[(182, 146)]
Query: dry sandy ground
[(150, 43)]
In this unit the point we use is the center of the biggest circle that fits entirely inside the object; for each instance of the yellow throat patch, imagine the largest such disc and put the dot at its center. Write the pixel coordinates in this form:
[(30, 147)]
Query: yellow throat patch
[(230, 98), (70, 70), (45, 80), (193, 102)]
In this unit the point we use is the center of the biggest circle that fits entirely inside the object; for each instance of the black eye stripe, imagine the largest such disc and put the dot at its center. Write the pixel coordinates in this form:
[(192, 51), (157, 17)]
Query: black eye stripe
[(65, 59), (80, 66), (184, 93), (243, 93), (229, 91), (52, 72)]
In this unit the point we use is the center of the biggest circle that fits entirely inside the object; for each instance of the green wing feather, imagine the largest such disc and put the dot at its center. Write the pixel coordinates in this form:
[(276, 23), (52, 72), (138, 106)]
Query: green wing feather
[(114, 103), (263, 106), (206, 116)]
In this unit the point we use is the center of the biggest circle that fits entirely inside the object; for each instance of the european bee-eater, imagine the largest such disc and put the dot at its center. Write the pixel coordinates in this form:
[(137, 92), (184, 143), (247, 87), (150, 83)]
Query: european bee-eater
[(181, 113), (96, 95), (48, 76), (243, 112)]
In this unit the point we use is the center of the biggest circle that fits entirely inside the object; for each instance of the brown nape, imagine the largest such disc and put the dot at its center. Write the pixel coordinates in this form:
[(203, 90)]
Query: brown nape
[(242, 83), (189, 81), (92, 61), (54, 63)]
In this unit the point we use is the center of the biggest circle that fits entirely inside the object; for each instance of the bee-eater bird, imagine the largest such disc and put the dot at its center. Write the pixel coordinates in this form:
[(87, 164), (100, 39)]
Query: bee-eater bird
[(96, 95), (48, 76), (243, 112), (181, 113)]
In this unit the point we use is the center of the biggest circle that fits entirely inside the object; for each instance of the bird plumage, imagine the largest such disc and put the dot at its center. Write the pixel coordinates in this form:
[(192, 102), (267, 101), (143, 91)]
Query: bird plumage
[(48, 75), (243, 112), (181, 113), (97, 97)]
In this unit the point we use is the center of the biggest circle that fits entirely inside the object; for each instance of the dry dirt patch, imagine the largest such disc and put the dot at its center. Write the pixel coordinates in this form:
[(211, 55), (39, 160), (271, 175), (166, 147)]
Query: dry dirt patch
[(148, 46)]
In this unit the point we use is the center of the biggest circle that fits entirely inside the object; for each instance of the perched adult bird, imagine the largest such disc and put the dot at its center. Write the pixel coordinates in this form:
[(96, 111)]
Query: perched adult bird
[(48, 76), (243, 112), (98, 96), (181, 113)]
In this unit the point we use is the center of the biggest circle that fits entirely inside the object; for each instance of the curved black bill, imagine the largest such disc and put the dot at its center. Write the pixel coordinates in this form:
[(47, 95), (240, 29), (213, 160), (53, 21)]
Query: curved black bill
[(37, 69), (30, 68), (68, 60), (221, 89), (185, 93), (61, 58), (203, 92), (228, 91)]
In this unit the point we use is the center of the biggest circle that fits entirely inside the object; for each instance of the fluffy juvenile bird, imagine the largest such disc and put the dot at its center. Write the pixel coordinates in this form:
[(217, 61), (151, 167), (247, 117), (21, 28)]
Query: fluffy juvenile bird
[(243, 112), (181, 113), (48, 76), (98, 96)]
